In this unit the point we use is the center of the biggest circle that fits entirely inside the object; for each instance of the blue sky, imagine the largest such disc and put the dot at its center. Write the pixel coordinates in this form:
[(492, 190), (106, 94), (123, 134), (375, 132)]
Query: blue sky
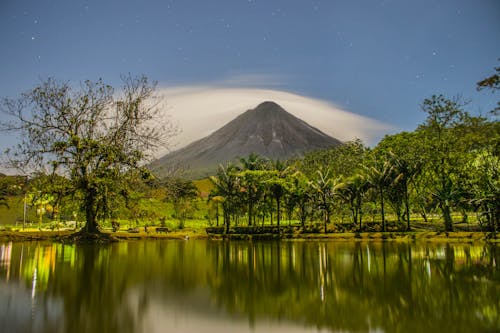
[(379, 59)]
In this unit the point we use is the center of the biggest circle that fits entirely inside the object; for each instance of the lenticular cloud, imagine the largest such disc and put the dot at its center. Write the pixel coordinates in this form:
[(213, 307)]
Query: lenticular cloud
[(200, 110)]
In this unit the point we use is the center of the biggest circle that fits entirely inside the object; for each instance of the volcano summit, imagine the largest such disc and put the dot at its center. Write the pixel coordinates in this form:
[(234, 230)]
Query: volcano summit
[(268, 130)]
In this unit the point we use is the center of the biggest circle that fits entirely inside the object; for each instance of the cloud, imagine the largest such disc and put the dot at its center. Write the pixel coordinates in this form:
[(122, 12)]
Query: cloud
[(200, 110), (259, 80)]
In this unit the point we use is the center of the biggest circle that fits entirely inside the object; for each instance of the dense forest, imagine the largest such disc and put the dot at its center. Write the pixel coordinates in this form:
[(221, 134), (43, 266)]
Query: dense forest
[(449, 164)]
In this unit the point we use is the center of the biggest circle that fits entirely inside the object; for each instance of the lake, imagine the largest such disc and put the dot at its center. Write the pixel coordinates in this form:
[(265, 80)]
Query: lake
[(273, 286)]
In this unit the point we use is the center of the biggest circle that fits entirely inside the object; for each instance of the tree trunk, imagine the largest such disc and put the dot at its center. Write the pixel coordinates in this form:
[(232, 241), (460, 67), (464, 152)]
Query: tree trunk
[(354, 211), (217, 213), (495, 214), (382, 209), (360, 213), (226, 222), (278, 215), (327, 219), (90, 214), (250, 208), (303, 215), (226, 213), (407, 207), (448, 222)]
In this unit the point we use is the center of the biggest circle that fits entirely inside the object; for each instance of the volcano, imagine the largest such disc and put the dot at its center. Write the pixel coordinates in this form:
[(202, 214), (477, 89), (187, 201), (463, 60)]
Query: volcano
[(267, 130)]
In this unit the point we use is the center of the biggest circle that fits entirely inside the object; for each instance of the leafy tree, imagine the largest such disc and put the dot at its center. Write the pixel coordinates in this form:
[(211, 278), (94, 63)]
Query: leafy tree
[(342, 160), (181, 193), (492, 83), (92, 135), (254, 162), (42, 202), (48, 193), (485, 186), (3, 193), (448, 135)]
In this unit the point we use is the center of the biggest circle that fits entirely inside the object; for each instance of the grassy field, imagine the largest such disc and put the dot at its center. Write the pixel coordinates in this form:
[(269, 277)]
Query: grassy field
[(204, 187), (14, 214)]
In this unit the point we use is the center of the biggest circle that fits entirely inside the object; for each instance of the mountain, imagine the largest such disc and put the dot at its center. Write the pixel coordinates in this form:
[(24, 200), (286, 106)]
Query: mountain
[(268, 130)]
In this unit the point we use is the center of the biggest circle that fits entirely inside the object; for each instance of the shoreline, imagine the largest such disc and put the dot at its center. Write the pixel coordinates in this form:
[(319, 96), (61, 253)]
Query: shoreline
[(422, 236)]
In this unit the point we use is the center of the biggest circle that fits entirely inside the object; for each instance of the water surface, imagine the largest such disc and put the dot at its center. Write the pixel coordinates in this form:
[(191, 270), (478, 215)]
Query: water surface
[(216, 286)]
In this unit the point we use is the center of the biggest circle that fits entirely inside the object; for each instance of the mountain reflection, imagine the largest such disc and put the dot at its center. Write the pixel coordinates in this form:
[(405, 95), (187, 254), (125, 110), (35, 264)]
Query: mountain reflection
[(170, 286)]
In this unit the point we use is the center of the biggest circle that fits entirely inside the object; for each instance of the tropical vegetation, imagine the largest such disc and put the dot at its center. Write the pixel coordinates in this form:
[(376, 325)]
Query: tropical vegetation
[(95, 146)]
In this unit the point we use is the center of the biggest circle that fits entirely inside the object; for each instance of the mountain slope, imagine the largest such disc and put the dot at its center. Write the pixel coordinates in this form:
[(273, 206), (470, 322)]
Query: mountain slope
[(267, 130)]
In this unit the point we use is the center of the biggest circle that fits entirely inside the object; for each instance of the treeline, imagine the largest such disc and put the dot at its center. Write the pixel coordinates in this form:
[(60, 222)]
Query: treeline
[(84, 171), (449, 164)]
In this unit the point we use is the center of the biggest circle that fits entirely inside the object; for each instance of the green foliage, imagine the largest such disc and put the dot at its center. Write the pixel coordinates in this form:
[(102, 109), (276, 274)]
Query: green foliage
[(491, 83), (95, 138), (352, 191), (226, 185), (448, 165), (484, 185), (181, 193), (343, 160), (448, 136)]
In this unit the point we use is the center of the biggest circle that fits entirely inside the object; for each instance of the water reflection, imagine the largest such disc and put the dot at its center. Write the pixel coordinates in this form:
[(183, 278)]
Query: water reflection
[(174, 286)]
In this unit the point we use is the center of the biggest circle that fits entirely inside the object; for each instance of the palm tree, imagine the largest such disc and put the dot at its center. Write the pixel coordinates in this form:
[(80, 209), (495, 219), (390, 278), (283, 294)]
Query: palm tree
[(379, 177), (216, 200), (226, 184), (351, 192), (251, 190), (277, 185), (251, 176), (405, 170), (299, 195), (323, 186)]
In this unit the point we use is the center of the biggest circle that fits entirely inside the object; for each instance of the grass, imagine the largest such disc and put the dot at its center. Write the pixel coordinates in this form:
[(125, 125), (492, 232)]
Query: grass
[(15, 212), (204, 187)]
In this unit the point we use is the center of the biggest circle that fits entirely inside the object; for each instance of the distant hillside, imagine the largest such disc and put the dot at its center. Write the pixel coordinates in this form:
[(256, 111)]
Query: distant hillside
[(267, 130)]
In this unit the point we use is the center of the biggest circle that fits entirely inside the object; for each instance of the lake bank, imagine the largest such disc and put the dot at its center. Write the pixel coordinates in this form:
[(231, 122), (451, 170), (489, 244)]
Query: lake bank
[(425, 236)]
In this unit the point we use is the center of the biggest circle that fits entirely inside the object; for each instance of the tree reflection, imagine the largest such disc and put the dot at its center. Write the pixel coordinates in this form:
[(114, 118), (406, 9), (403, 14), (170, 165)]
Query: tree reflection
[(361, 286), (336, 286)]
